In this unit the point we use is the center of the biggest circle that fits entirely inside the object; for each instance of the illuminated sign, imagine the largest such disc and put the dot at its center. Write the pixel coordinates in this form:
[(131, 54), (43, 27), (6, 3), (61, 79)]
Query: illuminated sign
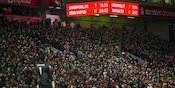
[(102, 7), (88, 8), (124, 8), (79, 9)]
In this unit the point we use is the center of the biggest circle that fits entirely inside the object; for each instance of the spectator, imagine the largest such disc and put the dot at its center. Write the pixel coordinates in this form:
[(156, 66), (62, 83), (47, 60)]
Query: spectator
[(87, 59)]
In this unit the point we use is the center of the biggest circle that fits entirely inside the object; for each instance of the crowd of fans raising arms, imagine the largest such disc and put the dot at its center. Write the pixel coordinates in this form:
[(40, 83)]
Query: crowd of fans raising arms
[(86, 58)]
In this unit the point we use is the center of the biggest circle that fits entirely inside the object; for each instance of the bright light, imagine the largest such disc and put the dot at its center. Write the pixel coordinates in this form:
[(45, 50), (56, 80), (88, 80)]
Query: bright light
[(113, 16), (131, 17), (97, 14)]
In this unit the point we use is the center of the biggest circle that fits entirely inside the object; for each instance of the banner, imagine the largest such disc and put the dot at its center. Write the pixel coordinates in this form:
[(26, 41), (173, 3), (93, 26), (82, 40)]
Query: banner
[(102, 7), (157, 11), (21, 2), (34, 20)]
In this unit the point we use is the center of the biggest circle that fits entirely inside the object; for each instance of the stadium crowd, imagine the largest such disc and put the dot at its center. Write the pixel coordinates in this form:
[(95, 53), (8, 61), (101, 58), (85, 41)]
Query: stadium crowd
[(86, 58)]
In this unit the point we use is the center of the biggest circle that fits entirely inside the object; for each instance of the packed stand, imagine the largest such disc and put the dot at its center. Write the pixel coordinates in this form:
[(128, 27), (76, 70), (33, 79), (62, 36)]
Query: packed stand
[(87, 58)]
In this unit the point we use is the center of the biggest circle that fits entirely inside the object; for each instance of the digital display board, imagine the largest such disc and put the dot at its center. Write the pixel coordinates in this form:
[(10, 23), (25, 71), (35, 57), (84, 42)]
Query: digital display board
[(124, 8), (88, 8), (102, 7), (79, 9)]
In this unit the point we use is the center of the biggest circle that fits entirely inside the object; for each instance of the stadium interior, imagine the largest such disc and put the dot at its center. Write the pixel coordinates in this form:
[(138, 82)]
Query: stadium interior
[(87, 44)]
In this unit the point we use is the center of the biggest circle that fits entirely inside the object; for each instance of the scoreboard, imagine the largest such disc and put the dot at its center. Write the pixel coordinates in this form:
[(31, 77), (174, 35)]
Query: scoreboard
[(102, 7), (88, 8), (125, 8)]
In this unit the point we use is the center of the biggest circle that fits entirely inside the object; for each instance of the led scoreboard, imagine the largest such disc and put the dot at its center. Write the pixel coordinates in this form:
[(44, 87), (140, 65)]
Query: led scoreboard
[(102, 7), (124, 8), (88, 8)]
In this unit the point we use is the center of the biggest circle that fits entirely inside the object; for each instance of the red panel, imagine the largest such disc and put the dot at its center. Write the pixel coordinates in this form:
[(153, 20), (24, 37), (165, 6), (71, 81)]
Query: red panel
[(79, 9), (125, 8), (102, 7)]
